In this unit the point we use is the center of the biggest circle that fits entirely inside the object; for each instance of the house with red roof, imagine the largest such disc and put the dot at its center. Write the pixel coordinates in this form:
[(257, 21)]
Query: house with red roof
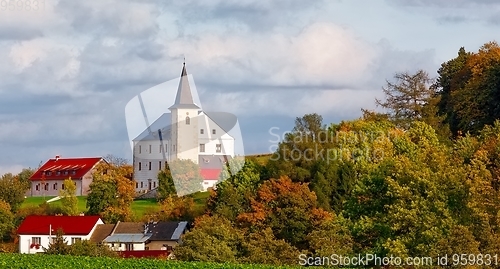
[(36, 232), (49, 178)]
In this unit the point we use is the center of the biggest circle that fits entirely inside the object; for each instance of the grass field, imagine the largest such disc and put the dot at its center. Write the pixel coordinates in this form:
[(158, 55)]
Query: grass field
[(139, 207), (68, 262)]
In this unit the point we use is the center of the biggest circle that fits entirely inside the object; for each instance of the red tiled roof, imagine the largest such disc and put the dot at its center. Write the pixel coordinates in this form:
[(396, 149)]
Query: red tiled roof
[(71, 225), (210, 174), (80, 166)]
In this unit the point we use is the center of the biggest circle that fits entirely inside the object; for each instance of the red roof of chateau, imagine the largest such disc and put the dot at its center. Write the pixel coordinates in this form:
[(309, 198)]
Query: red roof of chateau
[(75, 168), (210, 174), (71, 225)]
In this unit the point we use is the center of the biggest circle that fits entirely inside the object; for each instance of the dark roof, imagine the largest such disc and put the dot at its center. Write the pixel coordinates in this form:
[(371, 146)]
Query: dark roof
[(101, 232), (71, 225), (166, 230), (129, 228), (80, 166), (163, 123), (213, 161), (184, 96)]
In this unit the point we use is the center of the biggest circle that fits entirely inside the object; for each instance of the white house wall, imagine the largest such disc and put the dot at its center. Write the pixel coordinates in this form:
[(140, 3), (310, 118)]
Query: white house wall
[(26, 240)]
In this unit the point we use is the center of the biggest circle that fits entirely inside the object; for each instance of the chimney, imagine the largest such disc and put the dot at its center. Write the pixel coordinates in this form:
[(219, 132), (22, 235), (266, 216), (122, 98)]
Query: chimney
[(57, 157)]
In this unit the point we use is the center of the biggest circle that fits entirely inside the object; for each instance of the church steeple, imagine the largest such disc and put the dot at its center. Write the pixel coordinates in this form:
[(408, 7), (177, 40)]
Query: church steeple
[(184, 98)]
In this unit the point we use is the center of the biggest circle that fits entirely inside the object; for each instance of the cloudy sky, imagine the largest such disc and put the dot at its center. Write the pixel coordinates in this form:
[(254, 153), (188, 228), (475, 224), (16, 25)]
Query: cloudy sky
[(69, 68)]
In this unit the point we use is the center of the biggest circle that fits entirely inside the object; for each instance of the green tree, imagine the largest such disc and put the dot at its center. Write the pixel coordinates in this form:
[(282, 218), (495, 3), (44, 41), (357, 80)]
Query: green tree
[(332, 236), (186, 176), (69, 200), (166, 186), (232, 196), (411, 98), (213, 239), (91, 249), (58, 246), (261, 247), (12, 191)]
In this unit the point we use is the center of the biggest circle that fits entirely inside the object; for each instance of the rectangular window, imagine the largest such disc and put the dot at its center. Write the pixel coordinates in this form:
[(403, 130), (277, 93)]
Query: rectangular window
[(46, 187), (37, 187), (218, 147), (213, 131), (154, 184), (62, 186), (129, 247), (65, 173), (54, 186), (75, 239), (202, 147), (137, 185), (201, 131), (149, 165), (174, 147), (159, 165), (142, 185), (73, 172), (49, 173), (140, 149), (36, 240), (150, 149), (140, 166), (58, 173), (166, 147)]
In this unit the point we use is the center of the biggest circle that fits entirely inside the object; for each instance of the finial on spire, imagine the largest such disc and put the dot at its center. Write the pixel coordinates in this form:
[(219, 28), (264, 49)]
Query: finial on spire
[(184, 61)]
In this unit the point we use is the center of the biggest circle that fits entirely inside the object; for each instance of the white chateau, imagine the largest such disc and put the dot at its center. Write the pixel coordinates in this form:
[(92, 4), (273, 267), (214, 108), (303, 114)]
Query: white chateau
[(186, 132)]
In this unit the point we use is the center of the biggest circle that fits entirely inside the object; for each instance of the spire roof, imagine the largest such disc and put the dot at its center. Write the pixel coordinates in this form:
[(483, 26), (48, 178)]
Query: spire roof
[(184, 98)]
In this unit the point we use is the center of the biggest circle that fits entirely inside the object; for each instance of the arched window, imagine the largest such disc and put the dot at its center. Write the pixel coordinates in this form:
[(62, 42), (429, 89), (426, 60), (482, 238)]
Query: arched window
[(188, 121)]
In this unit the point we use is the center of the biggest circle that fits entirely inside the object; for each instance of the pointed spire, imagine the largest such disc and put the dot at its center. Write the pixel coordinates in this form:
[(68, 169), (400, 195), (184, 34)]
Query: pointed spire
[(184, 98)]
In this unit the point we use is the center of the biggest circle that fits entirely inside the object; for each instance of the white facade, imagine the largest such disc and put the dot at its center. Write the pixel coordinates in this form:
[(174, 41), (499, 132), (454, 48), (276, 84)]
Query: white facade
[(186, 133), (26, 241)]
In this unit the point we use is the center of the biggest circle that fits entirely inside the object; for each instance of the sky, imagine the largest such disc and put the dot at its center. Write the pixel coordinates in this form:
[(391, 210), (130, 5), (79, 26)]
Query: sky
[(69, 68)]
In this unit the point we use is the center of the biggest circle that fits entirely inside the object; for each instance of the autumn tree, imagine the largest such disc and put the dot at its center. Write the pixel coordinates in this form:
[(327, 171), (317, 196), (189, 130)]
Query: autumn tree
[(186, 176), (288, 208), (111, 192), (6, 220), (69, 200)]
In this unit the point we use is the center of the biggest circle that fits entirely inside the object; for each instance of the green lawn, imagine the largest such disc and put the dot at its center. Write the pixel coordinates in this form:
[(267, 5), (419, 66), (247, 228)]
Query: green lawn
[(139, 207)]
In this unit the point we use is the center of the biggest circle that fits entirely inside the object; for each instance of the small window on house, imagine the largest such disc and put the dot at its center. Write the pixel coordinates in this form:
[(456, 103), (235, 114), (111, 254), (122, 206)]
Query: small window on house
[(173, 147), (49, 173), (202, 147), (218, 147), (46, 187), (37, 187), (142, 185), (140, 149), (159, 165), (55, 186), (140, 166), (149, 166), (150, 149), (62, 186), (65, 173), (75, 239), (36, 240), (58, 173), (136, 185), (166, 147), (213, 131), (202, 131), (188, 121), (73, 172)]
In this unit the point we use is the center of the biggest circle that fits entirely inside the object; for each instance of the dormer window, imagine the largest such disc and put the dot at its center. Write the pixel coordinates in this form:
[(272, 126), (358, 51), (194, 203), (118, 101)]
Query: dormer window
[(58, 173), (65, 173), (188, 121), (73, 172)]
